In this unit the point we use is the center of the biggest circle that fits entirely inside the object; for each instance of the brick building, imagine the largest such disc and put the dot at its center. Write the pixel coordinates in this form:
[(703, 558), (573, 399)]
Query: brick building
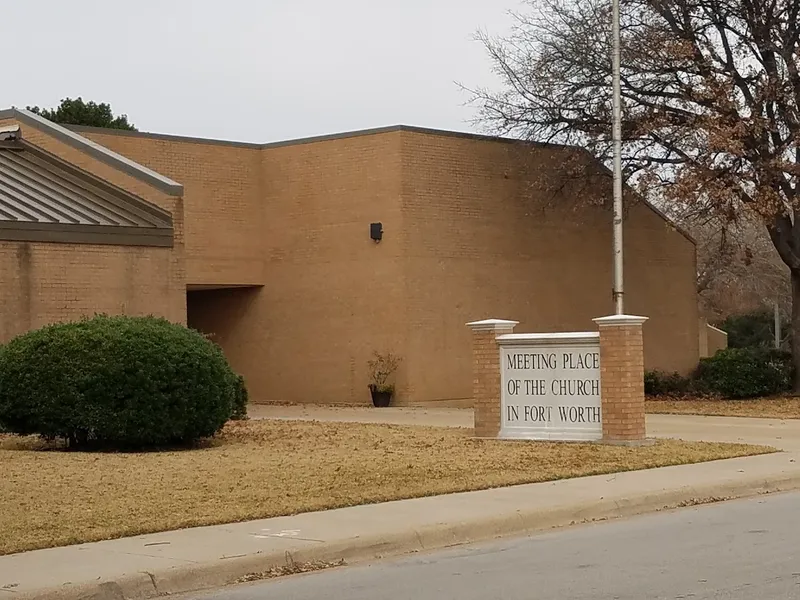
[(268, 248)]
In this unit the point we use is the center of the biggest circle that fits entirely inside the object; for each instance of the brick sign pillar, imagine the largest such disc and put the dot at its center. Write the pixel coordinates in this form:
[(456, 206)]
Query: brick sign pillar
[(622, 378), (486, 374)]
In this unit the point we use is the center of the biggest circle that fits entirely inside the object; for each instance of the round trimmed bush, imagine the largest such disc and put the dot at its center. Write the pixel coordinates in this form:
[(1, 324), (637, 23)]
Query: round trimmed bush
[(117, 382)]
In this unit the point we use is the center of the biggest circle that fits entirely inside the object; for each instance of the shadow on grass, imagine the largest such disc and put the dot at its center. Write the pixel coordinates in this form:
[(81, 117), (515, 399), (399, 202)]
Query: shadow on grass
[(35, 443)]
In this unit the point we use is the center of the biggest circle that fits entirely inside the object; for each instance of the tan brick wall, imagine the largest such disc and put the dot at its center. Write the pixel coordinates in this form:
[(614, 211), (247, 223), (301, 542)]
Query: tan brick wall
[(223, 205), (660, 283), (47, 283), (333, 295), (487, 238), (622, 382)]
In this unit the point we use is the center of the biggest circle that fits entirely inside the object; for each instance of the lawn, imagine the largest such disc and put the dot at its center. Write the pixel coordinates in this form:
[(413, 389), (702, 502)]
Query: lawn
[(261, 469), (764, 408)]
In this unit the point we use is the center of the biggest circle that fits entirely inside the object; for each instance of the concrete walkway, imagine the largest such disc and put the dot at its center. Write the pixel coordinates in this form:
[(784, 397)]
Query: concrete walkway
[(782, 434), (778, 433), (152, 565)]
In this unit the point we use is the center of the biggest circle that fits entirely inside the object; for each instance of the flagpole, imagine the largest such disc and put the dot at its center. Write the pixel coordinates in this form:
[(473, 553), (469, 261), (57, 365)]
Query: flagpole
[(617, 140)]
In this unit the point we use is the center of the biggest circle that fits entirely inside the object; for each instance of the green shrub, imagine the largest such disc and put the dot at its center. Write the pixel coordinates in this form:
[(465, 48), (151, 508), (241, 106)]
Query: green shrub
[(746, 372), (658, 383), (119, 382), (753, 330), (239, 412)]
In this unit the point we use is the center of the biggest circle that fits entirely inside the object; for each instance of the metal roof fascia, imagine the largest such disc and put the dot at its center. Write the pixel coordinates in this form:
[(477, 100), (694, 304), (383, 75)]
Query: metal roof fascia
[(86, 234), (165, 184)]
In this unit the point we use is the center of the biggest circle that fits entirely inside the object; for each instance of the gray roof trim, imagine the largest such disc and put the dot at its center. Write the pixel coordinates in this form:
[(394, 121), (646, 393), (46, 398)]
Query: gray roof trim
[(164, 136), (85, 234), (313, 139), (409, 129), (158, 181)]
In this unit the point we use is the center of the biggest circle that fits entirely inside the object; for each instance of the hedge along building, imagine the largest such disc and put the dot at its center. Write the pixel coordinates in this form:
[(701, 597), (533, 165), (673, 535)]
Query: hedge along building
[(271, 253)]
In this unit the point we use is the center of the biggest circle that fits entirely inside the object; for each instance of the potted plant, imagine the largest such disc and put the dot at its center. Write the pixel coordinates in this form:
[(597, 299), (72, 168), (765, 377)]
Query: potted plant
[(381, 367)]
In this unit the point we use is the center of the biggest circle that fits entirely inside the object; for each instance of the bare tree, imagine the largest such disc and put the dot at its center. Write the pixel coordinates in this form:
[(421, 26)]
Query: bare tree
[(711, 103), (738, 270)]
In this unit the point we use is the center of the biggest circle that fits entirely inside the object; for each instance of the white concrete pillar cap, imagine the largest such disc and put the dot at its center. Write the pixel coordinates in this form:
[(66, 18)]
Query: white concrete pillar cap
[(492, 325), (620, 320)]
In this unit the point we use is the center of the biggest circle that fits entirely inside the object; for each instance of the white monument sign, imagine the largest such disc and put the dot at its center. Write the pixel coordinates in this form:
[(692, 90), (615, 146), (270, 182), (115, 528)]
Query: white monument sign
[(550, 386)]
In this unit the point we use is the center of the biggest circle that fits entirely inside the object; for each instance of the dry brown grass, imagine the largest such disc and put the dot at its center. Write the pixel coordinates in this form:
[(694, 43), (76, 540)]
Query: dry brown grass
[(762, 408), (262, 469)]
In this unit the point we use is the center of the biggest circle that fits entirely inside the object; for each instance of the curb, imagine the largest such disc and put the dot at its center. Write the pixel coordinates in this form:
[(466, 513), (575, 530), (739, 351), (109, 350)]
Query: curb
[(199, 577)]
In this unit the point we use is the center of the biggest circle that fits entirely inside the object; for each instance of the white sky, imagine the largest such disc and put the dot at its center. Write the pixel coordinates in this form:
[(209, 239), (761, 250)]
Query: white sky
[(253, 70)]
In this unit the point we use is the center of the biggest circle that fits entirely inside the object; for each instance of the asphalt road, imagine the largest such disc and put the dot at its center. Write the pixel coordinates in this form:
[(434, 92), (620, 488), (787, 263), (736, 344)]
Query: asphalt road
[(747, 549)]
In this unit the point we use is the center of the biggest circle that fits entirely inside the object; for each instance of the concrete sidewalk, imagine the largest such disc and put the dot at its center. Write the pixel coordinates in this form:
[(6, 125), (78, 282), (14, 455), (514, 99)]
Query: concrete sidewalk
[(152, 565), (187, 560)]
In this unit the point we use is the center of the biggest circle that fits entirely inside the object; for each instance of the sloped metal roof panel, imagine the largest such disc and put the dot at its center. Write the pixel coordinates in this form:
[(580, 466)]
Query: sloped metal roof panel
[(94, 149), (38, 192)]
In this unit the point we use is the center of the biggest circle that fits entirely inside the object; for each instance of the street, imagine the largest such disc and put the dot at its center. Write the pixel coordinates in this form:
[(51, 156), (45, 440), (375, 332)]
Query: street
[(736, 550)]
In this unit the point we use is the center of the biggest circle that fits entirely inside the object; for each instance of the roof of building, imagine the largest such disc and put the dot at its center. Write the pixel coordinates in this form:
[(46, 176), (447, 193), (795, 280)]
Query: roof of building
[(43, 198), (68, 134), (94, 149), (314, 139)]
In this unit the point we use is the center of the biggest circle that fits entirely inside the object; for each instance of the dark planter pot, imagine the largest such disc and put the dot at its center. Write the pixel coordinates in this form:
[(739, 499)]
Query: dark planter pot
[(381, 399)]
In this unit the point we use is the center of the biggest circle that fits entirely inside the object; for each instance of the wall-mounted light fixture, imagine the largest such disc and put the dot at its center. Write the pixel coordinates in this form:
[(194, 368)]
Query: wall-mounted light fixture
[(376, 231)]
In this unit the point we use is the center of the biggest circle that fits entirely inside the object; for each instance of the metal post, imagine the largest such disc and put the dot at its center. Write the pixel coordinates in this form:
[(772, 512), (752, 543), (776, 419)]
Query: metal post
[(617, 139), (777, 327)]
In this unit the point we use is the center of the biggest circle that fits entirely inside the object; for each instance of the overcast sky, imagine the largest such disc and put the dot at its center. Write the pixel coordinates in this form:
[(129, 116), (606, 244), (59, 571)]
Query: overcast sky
[(254, 70)]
